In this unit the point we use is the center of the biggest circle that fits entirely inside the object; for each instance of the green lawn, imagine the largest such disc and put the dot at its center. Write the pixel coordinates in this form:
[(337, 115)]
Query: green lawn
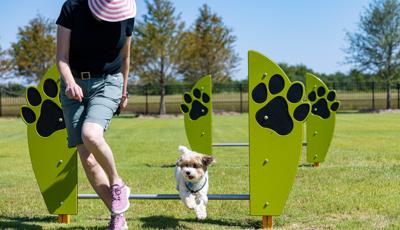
[(356, 188)]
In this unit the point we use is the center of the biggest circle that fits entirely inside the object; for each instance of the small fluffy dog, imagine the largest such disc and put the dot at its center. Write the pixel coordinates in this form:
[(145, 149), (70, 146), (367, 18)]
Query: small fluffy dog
[(192, 180)]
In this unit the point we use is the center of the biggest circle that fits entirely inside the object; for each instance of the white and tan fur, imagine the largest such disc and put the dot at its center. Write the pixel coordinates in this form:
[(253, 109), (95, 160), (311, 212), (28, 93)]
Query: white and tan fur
[(192, 180)]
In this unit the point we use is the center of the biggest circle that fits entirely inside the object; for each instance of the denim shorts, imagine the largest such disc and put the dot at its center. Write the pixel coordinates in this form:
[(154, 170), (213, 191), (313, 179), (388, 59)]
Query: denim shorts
[(102, 96)]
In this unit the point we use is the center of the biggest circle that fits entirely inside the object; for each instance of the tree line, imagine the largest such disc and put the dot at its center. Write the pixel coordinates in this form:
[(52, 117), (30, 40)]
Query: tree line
[(167, 51)]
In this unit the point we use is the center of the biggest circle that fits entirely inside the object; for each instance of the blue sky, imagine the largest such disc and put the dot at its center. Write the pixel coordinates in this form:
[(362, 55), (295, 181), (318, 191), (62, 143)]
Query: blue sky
[(310, 32)]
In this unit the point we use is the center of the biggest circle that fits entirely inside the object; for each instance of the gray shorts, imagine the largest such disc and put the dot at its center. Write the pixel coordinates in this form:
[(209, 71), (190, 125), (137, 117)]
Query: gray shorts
[(101, 99)]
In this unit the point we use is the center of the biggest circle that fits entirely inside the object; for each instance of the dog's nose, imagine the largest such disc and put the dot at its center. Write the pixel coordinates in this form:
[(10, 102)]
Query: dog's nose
[(188, 173)]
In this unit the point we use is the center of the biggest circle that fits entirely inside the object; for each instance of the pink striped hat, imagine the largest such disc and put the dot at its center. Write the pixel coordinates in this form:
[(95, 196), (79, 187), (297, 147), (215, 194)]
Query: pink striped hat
[(113, 10)]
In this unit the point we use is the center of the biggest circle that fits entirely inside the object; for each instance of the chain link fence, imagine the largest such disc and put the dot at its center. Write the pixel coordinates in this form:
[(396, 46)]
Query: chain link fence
[(358, 97)]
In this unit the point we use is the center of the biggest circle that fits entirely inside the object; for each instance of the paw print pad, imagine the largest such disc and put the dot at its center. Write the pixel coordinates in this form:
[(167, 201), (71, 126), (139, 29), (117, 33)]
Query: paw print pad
[(323, 102), (277, 96), (47, 115), (195, 105)]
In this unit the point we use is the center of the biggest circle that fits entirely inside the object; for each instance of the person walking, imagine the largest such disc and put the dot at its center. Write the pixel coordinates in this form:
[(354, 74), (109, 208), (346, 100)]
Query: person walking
[(93, 56)]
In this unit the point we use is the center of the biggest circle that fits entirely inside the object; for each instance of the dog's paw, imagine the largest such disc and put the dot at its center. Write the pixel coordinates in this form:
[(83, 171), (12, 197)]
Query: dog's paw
[(201, 212), (190, 204), (275, 113)]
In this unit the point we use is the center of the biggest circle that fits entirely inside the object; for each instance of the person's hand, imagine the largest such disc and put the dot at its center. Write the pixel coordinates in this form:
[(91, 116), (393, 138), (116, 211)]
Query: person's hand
[(74, 91), (124, 103)]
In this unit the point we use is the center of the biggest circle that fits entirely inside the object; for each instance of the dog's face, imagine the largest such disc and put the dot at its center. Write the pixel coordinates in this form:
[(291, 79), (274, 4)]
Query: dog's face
[(193, 165)]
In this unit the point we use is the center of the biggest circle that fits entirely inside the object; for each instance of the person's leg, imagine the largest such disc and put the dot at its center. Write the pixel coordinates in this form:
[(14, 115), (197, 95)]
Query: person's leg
[(96, 175), (102, 103), (92, 136)]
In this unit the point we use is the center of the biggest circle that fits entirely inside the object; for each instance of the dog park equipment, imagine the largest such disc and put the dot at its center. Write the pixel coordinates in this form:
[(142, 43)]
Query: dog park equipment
[(276, 116), (198, 110), (321, 122), (320, 126), (54, 164)]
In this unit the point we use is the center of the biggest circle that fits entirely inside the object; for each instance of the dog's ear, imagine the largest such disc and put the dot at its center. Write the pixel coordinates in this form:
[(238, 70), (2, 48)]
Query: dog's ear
[(179, 161), (183, 149), (208, 160)]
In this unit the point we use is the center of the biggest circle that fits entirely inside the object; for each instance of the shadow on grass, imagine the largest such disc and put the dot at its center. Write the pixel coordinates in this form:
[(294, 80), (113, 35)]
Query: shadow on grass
[(81, 228), (30, 223), (126, 116), (161, 166), (23, 222), (167, 222), (161, 222), (306, 165)]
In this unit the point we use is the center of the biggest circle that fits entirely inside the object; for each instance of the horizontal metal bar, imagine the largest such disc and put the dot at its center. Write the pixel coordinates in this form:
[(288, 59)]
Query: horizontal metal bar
[(236, 144), (230, 144), (172, 196)]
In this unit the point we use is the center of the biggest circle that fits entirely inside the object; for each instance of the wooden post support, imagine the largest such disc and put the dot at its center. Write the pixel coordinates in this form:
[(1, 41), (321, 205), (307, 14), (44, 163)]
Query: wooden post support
[(267, 222), (64, 219), (316, 164)]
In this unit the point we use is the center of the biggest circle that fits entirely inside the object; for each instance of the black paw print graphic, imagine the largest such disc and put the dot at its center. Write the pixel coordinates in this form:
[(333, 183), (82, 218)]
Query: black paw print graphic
[(323, 102), (195, 105), (280, 108), (41, 109)]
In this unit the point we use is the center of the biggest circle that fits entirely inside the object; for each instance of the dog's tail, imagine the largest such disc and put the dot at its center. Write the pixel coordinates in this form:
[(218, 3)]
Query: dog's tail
[(183, 149)]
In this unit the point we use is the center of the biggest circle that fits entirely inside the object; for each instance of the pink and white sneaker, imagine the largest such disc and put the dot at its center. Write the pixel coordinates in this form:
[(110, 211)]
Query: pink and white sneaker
[(117, 222), (120, 198)]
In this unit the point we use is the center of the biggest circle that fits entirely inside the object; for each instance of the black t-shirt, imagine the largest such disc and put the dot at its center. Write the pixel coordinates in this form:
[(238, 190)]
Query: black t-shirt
[(95, 45)]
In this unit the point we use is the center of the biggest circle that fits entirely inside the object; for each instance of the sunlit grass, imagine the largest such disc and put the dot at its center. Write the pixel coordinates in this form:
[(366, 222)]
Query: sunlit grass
[(356, 188)]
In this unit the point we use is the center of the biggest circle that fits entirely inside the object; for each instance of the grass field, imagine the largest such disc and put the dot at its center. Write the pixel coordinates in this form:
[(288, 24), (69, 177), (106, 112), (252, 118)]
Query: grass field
[(356, 188)]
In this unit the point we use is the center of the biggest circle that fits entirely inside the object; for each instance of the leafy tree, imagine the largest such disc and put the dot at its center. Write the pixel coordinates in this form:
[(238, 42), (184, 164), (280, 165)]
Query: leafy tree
[(2, 59), (207, 48), (5, 62), (155, 44), (375, 47), (12, 89), (34, 51), (296, 72)]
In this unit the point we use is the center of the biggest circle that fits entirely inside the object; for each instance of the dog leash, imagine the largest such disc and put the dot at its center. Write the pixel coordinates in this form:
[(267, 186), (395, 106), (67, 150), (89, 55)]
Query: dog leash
[(196, 191)]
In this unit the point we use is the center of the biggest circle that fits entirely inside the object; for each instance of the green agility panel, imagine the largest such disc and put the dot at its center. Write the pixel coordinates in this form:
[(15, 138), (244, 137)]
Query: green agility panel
[(197, 110), (321, 122), (276, 117), (54, 164)]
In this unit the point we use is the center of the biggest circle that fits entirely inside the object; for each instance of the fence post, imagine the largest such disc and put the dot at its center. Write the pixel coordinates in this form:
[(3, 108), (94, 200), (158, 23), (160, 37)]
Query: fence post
[(398, 95), (241, 97), (1, 107), (146, 88), (373, 95)]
